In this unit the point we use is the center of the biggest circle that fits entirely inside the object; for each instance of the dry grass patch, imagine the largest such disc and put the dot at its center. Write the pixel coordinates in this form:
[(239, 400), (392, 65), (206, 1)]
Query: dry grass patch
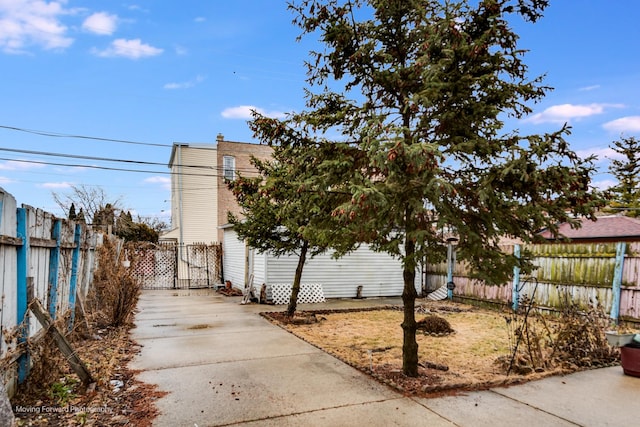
[(475, 356)]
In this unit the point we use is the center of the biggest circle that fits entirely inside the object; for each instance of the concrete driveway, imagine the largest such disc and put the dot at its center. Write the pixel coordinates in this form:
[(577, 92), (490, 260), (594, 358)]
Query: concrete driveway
[(223, 364)]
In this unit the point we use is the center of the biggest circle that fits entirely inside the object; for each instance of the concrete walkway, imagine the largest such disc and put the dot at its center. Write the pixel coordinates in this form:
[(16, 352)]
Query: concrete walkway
[(223, 364)]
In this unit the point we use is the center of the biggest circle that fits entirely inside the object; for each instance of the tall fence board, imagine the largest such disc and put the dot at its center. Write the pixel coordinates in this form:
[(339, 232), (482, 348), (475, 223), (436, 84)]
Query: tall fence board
[(59, 255), (581, 273)]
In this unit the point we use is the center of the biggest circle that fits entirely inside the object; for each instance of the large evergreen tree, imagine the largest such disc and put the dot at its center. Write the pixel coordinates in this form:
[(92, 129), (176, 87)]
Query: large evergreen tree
[(626, 195), (418, 91)]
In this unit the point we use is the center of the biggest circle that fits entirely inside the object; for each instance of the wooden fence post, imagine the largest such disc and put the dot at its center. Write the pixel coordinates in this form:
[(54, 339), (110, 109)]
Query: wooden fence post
[(74, 274), (515, 294), (621, 248), (54, 266), (22, 267)]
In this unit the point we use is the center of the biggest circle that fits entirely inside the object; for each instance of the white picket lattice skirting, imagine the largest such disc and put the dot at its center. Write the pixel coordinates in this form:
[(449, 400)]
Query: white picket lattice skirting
[(310, 293)]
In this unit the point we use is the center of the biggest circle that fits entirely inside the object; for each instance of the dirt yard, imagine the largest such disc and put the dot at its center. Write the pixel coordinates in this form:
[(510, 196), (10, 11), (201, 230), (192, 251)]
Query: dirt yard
[(475, 356), (54, 396)]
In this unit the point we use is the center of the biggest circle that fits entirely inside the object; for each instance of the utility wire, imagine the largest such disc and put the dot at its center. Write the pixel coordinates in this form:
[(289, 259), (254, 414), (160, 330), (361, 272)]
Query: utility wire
[(96, 138), (110, 168), (106, 159)]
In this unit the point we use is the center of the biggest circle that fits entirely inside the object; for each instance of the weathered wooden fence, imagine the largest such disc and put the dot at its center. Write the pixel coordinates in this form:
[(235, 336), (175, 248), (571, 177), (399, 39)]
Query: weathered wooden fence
[(587, 274), (43, 257)]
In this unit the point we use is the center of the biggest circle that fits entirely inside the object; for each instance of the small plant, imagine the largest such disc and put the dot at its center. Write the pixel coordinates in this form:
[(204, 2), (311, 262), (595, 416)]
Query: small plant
[(62, 391), (528, 339)]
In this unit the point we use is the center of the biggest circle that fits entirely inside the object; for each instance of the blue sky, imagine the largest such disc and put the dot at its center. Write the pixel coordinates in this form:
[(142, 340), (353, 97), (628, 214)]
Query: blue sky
[(158, 72)]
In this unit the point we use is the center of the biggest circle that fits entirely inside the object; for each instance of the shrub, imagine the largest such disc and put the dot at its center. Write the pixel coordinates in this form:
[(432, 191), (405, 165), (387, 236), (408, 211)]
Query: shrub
[(115, 291)]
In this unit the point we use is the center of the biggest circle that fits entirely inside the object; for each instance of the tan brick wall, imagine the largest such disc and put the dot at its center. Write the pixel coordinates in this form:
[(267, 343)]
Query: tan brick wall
[(242, 152)]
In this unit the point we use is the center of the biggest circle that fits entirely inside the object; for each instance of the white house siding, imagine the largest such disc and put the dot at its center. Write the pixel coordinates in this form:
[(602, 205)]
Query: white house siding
[(199, 195), (378, 273), (259, 269), (233, 259)]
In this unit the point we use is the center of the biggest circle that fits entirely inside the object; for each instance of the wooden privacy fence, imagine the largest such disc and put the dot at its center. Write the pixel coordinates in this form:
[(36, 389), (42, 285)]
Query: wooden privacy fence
[(585, 274), (49, 259)]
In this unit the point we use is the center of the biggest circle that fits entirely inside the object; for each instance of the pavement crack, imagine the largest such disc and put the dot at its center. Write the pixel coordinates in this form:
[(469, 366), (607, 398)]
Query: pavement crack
[(311, 411)]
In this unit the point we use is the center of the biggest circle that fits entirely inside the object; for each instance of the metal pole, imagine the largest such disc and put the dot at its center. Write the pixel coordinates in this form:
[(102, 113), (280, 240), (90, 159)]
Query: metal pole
[(450, 264), (515, 295), (617, 281)]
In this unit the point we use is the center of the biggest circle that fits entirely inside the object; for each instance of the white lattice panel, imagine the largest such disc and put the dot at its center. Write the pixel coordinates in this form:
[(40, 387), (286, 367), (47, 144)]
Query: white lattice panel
[(310, 293)]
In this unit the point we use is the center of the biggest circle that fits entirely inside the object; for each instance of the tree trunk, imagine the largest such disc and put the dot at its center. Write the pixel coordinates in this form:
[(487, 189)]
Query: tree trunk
[(409, 326), (295, 288)]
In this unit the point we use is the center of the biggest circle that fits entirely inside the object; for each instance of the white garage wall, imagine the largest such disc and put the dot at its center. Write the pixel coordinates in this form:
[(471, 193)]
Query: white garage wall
[(378, 273), (233, 262)]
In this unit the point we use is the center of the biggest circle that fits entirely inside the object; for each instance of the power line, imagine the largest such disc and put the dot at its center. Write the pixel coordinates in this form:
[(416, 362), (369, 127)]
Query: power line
[(96, 138), (107, 159), (109, 168)]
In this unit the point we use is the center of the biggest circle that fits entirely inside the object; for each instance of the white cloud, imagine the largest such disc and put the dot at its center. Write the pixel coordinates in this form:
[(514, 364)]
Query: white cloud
[(244, 112), (604, 184), (132, 49), (137, 8), (624, 124), (25, 23), (181, 50), (603, 154), (185, 85), (589, 88), (566, 112), (56, 185), (5, 180), (200, 19), (162, 180), (101, 23), (15, 165)]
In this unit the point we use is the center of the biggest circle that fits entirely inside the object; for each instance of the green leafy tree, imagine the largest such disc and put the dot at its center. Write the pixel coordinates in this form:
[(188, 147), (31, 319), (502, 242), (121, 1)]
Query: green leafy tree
[(132, 231), (418, 91), (626, 195), (284, 210)]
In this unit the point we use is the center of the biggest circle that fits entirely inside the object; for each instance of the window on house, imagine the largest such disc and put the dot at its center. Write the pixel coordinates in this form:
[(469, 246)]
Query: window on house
[(229, 165)]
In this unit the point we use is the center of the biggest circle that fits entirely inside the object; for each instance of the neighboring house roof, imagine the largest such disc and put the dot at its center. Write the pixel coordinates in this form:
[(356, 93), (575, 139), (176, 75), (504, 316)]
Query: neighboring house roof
[(605, 228)]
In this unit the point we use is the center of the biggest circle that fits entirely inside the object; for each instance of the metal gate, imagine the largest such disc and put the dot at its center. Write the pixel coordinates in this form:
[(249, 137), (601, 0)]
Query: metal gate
[(199, 266), (171, 266)]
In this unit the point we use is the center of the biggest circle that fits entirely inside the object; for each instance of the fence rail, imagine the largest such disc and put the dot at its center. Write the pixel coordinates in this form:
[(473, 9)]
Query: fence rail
[(44, 257)]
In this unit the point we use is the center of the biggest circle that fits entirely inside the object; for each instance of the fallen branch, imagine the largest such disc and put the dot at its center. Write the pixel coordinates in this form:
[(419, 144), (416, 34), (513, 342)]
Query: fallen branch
[(431, 365)]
